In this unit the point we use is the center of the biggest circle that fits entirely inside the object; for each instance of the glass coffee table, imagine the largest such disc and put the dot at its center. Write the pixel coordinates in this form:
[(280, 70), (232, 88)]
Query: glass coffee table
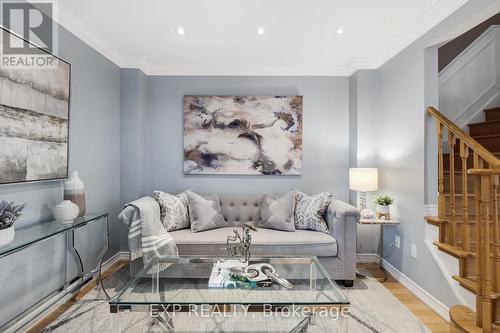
[(181, 284)]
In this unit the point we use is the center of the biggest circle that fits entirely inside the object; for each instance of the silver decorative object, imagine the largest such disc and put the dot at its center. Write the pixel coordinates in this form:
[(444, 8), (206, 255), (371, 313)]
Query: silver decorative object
[(259, 273), (238, 246)]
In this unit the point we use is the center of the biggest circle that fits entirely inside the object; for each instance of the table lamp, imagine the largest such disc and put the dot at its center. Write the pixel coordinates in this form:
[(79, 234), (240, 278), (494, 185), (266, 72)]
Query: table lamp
[(363, 180)]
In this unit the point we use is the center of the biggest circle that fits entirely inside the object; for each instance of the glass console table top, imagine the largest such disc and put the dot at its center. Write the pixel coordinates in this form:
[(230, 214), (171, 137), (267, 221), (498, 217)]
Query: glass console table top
[(24, 237), (185, 281)]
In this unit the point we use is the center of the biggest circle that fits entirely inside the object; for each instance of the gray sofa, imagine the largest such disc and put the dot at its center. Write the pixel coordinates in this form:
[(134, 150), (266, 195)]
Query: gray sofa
[(337, 251)]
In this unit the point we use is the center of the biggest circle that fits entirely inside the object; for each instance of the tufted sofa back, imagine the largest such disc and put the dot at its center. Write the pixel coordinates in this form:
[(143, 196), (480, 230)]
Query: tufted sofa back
[(240, 208)]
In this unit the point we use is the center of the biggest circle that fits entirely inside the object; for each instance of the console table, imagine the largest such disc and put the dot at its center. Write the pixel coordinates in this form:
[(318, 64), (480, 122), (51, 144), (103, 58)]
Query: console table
[(40, 232)]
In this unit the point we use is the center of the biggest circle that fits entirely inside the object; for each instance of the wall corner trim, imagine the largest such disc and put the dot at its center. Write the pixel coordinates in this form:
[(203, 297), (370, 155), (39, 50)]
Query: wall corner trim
[(429, 300), (365, 258), (430, 210)]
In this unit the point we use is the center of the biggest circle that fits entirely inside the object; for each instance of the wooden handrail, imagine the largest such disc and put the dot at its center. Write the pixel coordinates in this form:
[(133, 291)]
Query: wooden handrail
[(484, 172), (488, 157), (470, 221)]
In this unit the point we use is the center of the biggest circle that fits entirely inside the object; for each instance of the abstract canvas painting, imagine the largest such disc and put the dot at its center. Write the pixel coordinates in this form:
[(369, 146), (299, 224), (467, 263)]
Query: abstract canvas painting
[(243, 135), (34, 112)]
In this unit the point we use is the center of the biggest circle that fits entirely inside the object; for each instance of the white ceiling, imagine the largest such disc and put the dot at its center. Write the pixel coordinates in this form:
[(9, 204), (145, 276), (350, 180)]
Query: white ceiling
[(220, 35)]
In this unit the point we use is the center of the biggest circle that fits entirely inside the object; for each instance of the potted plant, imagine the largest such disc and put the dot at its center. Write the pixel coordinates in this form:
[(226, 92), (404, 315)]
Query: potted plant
[(9, 213), (383, 202)]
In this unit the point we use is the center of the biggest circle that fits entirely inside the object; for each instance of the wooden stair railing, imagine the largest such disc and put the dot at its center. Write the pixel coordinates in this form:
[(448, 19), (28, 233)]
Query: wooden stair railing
[(468, 222)]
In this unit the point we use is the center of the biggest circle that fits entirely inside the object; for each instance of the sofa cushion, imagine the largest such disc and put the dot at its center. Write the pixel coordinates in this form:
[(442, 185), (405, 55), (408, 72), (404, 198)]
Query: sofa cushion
[(264, 242)]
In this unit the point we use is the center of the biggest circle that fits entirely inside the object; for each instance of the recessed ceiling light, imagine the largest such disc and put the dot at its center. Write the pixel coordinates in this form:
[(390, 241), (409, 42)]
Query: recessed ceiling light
[(260, 31), (340, 30), (180, 30)]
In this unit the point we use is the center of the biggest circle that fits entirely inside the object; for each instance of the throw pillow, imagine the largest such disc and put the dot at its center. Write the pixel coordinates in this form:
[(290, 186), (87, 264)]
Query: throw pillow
[(310, 211), (204, 212), (277, 212), (173, 210)]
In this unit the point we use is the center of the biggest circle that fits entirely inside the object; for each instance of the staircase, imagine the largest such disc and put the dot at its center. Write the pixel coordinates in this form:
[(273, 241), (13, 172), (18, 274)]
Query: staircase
[(468, 215)]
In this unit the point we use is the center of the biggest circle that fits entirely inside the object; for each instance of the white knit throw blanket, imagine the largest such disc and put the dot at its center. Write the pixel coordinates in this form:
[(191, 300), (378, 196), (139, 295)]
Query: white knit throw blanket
[(146, 235)]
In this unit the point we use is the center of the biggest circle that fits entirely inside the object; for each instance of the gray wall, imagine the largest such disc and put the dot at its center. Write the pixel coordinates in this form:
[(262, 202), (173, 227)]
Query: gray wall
[(400, 145), (29, 275), (325, 139), (362, 117), (353, 130), (102, 144), (403, 87), (133, 96), (448, 52)]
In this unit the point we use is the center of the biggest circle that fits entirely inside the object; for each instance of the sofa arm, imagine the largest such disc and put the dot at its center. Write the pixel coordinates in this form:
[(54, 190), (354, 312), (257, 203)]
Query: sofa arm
[(340, 210), (342, 220)]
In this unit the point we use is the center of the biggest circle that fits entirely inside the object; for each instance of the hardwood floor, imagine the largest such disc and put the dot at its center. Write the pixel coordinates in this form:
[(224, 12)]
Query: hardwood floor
[(434, 322)]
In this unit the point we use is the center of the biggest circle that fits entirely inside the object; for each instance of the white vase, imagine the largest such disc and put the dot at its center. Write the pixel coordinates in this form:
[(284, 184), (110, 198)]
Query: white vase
[(74, 190), (66, 211), (382, 209), (6, 236)]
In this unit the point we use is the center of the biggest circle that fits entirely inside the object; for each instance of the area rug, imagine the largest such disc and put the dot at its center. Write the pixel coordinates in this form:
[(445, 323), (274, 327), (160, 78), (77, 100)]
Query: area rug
[(373, 309)]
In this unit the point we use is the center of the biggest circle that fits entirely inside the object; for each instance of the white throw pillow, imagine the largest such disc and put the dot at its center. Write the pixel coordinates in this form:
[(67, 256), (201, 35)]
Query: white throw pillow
[(204, 212), (277, 212), (310, 211), (173, 210)]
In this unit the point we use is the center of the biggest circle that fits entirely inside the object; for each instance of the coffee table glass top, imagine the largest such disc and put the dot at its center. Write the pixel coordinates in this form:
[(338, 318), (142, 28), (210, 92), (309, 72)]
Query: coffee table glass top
[(185, 280)]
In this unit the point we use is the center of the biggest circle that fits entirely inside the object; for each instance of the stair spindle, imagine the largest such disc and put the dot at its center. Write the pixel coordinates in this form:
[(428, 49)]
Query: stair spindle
[(478, 164), (484, 214), (464, 155), (496, 228), (441, 197), (453, 221)]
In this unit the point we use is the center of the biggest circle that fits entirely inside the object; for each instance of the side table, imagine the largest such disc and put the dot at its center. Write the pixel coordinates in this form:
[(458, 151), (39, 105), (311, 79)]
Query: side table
[(381, 251)]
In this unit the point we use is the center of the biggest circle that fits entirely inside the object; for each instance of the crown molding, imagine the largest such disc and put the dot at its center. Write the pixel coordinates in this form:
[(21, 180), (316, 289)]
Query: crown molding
[(480, 17), (434, 15), (246, 70), (74, 25)]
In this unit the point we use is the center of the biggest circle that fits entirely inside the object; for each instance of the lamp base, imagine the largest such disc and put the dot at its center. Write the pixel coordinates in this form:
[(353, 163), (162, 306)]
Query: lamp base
[(367, 214)]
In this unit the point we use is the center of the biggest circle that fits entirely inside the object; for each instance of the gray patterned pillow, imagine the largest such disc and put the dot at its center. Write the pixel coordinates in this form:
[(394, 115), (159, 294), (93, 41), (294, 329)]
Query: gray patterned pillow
[(277, 213), (173, 210), (310, 211), (204, 212)]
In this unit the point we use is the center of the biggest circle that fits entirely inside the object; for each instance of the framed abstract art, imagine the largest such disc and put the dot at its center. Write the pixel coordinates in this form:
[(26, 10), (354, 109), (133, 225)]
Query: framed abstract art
[(34, 121), (243, 135)]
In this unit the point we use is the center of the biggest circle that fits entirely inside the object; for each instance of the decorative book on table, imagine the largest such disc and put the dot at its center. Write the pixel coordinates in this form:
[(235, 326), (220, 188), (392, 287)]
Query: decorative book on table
[(221, 276)]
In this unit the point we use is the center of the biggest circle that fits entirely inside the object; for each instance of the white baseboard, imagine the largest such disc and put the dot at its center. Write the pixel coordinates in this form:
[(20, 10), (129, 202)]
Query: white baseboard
[(442, 310), (366, 258), (119, 256)]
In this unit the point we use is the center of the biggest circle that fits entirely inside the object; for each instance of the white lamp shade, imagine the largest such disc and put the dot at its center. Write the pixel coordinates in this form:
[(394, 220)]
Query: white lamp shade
[(363, 179)]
